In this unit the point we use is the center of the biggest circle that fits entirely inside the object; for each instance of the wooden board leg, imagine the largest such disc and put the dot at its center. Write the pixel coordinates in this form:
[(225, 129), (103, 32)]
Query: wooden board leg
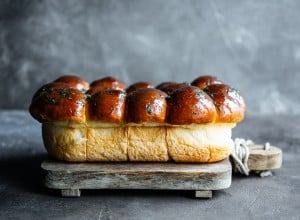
[(206, 194), (70, 192)]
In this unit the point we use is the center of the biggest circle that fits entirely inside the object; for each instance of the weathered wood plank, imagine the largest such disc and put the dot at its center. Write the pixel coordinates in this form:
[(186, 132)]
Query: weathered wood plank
[(212, 176), (133, 167)]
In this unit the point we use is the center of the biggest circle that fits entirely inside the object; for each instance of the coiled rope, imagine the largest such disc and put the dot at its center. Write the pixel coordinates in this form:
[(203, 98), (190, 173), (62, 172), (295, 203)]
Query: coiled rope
[(240, 155)]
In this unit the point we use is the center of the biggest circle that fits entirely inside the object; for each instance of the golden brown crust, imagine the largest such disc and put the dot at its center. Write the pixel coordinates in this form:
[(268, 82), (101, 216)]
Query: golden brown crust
[(171, 87), (146, 105), (107, 106), (106, 83), (74, 82), (162, 85), (203, 81), (190, 105), (139, 85), (58, 102), (49, 86), (229, 103)]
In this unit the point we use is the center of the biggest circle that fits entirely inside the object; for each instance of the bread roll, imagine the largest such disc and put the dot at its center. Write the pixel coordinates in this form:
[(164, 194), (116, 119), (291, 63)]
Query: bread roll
[(203, 81), (174, 122), (146, 112), (106, 83), (106, 139), (168, 88), (57, 102), (106, 106), (74, 82), (139, 85), (162, 85), (146, 106), (189, 105), (229, 103)]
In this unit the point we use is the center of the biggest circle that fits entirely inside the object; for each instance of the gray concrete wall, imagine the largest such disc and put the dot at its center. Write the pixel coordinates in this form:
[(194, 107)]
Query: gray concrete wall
[(253, 45)]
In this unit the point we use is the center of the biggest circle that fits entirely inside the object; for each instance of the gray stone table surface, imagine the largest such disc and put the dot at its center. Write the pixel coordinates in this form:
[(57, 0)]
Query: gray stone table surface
[(22, 195)]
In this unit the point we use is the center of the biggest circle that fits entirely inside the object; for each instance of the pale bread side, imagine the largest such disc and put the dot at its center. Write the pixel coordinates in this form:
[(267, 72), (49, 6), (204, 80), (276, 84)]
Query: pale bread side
[(107, 144), (199, 143), (194, 143), (147, 144), (65, 143)]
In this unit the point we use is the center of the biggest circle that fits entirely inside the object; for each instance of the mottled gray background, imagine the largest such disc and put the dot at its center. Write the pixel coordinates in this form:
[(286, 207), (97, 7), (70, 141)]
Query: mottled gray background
[(253, 45)]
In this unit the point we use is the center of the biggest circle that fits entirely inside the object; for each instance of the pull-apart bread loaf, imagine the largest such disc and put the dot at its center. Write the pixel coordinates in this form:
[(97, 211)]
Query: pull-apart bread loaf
[(105, 121)]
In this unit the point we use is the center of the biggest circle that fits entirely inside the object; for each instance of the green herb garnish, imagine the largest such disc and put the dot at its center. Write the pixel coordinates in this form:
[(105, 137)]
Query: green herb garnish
[(149, 109), (200, 93), (54, 102), (122, 95), (43, 94), (64, 93), (88, 96), (232, 91), (110, 92), (80, 103)]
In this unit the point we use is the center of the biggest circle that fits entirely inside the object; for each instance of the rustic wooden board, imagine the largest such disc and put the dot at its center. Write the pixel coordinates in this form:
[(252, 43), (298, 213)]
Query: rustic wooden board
[(72, 177)]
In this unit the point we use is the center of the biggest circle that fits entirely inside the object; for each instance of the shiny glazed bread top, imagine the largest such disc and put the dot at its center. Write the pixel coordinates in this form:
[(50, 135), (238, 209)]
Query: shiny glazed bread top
[(70, 98)]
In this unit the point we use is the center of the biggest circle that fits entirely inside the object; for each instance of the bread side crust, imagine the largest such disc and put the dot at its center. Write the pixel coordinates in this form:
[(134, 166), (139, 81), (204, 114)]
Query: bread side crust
[(65, 143), (190, 143), (200, 143), (147, 144), (107, 144)]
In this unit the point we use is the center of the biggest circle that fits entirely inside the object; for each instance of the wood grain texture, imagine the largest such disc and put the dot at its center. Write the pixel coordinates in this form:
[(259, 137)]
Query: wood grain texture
[(170, 176), (261, 159)]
